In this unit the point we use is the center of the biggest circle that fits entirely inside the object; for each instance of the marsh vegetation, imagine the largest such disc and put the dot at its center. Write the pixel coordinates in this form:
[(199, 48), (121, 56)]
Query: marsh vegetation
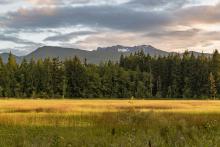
[(109, 123)]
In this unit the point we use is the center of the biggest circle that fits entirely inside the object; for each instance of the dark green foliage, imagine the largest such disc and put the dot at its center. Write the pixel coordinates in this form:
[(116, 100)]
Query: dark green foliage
[(215, 65), (137, 75), (75, 74), (213, 90)]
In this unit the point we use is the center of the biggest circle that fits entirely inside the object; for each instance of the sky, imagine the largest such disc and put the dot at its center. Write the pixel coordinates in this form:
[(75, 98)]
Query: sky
[(170, 25)]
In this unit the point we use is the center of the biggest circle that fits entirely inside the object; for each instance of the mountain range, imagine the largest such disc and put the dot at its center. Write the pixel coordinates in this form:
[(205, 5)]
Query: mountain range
[(102, 54)]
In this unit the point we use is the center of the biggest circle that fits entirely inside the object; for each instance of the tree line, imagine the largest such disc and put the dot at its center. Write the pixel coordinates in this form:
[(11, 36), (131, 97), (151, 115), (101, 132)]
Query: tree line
[(137, 75)]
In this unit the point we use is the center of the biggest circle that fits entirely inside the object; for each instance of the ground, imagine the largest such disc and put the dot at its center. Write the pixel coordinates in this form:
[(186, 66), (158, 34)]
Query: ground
[(109, 123)]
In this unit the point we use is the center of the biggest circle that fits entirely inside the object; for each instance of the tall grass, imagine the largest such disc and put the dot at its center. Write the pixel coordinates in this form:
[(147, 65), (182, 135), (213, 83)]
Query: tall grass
[(74, 106), (91, 123)]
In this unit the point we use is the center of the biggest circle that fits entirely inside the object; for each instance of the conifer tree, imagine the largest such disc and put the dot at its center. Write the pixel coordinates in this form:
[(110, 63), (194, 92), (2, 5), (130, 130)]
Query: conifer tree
[(11, 76), (215, 68), (213, 90), (1, 78)]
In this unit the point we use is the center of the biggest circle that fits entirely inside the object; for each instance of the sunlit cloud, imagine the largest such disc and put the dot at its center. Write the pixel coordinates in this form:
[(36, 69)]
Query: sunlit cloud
[(174, 25), (42, 2)]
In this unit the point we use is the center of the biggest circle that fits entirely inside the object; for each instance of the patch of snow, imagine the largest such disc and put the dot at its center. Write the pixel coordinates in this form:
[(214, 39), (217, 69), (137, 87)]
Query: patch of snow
[(123, 50)]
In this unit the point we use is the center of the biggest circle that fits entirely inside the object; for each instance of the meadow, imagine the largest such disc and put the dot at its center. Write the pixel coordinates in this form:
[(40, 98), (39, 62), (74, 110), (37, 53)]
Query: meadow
[(109, 123)]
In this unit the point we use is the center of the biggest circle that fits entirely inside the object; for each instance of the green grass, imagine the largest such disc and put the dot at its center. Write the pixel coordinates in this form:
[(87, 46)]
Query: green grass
[(130, 127)]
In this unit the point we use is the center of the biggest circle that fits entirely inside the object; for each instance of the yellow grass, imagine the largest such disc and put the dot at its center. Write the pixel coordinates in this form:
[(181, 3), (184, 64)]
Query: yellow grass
[(91, 122), (78, 106)]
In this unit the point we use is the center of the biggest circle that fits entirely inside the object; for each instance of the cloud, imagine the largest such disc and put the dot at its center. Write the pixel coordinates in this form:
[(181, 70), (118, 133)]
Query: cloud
[(161, 4), (174, 34), (199, 15), (120, 17), (179, 40), (43, 2), (17, 40), (58, 3), (4, 2), (112, 17), (165, 24), (67, 37), (15, 51), (109, 39), (16, 45)]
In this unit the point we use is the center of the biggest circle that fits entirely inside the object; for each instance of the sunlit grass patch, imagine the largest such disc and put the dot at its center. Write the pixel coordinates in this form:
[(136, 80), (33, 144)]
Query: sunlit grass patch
[(71, 106)]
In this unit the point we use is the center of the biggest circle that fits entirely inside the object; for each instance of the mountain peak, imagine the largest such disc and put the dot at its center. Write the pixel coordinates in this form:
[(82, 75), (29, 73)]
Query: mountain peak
[(120, 48), (102, 54), (48, 47)]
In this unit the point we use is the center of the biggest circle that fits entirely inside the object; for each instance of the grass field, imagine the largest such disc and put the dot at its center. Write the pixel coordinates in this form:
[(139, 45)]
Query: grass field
[(109, 123)]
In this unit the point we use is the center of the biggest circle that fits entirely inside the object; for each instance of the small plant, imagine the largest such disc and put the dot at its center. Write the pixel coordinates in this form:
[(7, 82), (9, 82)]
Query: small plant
[(149, 144), (113, 132), (57, 141)]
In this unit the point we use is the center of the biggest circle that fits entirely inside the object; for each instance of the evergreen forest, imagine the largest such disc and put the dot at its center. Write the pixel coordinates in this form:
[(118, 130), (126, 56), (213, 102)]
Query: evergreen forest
[(179, 76)]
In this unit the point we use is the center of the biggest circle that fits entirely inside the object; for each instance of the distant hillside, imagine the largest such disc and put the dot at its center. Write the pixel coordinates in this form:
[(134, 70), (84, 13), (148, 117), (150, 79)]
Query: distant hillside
[(148, 49), (102, 54), (50, 51)]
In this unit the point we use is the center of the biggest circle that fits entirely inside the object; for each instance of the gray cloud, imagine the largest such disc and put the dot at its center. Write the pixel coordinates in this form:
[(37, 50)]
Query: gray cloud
[(117, 17), (5, 2), (59, 3), (78, 1), (197, 34), (67, 37), (120, 17), (167, 4), (17, 40), (177, 33)]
